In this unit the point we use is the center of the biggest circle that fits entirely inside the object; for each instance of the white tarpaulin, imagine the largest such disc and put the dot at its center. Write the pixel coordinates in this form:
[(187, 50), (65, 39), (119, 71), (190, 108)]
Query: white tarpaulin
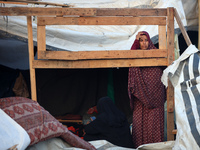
[(184, 74), (81, 38), (191, 10)]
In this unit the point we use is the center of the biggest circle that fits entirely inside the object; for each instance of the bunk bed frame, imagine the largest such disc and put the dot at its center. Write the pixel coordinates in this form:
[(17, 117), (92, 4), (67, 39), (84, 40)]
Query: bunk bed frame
[(164, 56)]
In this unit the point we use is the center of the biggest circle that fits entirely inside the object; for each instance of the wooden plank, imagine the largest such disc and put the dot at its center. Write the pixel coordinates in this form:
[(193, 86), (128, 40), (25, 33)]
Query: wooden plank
[(170, 45), (174, 131), (70, 121), (162, 37), (111, 54), (31, 58), (102, 20), (185, 35), (131, 12), (100, 63), (170, 89), (170, 111), (13, 2), (36, 11), (41, 38), (37, 3)]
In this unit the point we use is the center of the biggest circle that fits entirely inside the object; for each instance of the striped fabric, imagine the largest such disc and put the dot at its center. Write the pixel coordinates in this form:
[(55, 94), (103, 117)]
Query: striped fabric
[(184, 74)]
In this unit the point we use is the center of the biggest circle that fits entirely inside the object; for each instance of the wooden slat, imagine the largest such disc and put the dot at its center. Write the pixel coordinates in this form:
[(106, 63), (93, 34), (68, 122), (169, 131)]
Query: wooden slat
[(70, 121), (185, 35), (34, 11), (170, 89), (31, 58), (170, 111), (174, 131), (162, 37), (170, 35), (37, 2), (100, 63), (131, 12), (82, 55), (13, 2), (41, 38), (101, 20)]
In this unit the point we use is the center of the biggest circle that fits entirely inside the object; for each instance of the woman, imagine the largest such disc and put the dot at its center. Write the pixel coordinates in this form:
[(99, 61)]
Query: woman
[(110, 124), (147, 98)]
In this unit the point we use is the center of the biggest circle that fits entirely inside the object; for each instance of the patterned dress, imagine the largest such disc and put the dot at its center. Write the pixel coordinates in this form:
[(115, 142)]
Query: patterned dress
[(147, 98)]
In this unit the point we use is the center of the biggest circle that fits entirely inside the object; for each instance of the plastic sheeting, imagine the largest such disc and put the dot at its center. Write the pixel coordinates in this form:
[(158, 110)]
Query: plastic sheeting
[(192, 13), (185, 77), (83, 38), (14, 54)]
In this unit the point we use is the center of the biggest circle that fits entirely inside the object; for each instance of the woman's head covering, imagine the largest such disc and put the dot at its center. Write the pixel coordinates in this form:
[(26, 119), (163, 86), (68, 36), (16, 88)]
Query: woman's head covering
[(151, 45), (110, 125), (142, 79), (109, 112)]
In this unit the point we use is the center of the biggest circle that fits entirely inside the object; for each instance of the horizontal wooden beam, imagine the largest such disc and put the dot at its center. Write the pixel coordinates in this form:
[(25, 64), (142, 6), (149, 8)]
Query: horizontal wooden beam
[(38, 11), (69, 121), (99, 63), (23, 2), (111, 54), (101, 20), (13, 2), (131, 12)]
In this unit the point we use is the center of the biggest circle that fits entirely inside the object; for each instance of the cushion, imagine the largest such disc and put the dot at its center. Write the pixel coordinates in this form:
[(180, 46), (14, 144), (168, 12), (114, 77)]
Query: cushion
[(38, 123), (12, 134)]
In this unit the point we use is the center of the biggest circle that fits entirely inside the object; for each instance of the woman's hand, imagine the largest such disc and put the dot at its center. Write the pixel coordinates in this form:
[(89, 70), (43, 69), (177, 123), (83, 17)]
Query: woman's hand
[(138, 35)]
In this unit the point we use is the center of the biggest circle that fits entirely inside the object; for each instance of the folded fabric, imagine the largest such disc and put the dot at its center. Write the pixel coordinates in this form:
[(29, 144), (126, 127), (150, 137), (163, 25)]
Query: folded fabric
[(12, 133)]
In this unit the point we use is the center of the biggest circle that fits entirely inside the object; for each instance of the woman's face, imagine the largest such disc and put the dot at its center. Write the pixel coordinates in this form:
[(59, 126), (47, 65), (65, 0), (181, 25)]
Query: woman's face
[(144, 43)]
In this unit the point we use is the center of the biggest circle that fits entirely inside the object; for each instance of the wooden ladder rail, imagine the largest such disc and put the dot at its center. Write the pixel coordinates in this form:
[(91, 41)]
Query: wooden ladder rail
[(187, 40)]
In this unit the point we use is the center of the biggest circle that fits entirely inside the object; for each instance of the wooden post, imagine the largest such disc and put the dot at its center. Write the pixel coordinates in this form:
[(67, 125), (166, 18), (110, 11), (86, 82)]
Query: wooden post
[(180, 24), (41, 38), (31, 59), (162, 37), (170, 90)]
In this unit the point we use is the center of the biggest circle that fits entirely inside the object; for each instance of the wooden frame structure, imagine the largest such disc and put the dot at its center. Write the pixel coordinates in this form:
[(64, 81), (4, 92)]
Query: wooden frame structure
[(164, 56)]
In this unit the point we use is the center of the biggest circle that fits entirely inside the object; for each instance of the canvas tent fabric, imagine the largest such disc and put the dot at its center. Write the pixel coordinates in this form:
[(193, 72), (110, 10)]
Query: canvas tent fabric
[(185, 77), (89, 38)]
